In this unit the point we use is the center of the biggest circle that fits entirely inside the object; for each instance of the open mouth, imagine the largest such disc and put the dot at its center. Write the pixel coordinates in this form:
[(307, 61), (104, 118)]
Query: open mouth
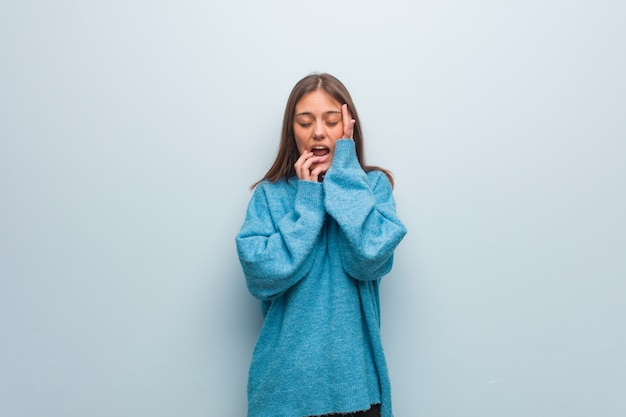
[(320, 150)]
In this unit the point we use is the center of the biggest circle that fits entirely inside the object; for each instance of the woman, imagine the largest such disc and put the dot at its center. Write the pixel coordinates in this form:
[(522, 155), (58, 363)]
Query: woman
[(319, 233)]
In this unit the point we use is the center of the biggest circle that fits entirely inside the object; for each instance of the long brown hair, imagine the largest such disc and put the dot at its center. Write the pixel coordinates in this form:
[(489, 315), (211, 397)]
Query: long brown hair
[(288, 152)]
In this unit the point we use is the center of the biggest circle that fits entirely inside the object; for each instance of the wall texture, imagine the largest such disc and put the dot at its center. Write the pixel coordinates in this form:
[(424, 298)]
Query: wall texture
[(130, 132)]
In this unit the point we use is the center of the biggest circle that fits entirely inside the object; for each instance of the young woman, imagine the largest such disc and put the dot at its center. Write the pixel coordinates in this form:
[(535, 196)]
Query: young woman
[(319, 233)]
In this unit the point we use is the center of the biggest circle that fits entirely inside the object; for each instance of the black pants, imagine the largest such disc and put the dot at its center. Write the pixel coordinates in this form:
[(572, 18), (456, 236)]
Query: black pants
[(372, 412)]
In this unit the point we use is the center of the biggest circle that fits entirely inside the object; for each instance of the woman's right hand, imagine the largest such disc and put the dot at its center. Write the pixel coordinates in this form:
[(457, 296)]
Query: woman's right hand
[(303, 166)]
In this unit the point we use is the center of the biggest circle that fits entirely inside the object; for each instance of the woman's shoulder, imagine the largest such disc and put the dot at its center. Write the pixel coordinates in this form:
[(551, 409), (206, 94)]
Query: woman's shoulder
[(282, 187), (281, 183), (379, 177)]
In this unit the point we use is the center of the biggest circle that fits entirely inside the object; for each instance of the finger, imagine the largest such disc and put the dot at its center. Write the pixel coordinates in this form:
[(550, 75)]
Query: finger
[(304, 163), (301, 171), (345, 115), (348, 122), (315, 174), (309, 162), (350, 130)]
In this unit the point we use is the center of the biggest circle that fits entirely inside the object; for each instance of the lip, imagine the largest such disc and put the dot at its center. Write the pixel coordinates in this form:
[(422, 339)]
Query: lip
[(320, 150)]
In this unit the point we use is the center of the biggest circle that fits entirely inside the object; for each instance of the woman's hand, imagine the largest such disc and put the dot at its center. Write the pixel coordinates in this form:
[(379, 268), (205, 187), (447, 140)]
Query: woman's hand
[(303, 166), (348, 123)]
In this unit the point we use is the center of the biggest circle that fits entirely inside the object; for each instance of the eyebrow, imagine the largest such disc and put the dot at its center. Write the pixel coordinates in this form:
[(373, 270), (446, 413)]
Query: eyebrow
[(307, 113)]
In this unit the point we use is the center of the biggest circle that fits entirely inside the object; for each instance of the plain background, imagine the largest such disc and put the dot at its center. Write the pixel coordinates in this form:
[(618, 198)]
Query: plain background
[(130, 132)]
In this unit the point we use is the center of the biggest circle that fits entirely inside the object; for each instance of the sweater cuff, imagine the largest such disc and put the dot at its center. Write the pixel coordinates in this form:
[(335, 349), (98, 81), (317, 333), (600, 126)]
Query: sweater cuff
[(345, 154), (310, 196)]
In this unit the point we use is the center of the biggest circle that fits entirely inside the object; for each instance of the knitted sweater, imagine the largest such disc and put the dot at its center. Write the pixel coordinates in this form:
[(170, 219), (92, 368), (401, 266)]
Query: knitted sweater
[(314, 253)]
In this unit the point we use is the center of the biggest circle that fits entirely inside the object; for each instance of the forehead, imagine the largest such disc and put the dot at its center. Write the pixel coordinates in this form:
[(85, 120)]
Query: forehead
[(317, 102)]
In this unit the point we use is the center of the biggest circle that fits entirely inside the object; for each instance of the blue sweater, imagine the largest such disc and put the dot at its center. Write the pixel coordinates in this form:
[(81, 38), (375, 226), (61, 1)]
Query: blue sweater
[(314, 253)]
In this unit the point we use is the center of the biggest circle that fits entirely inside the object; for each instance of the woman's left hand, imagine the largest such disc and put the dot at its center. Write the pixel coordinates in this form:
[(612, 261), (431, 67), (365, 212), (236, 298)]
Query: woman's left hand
[(348, 122)]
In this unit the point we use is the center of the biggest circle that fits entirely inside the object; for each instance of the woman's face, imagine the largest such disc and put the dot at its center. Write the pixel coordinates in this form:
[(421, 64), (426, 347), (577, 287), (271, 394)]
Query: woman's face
[(318, 124)]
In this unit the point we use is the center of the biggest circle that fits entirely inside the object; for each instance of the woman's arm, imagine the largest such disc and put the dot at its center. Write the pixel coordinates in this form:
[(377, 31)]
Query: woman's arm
[(363, 206), (277, 238)]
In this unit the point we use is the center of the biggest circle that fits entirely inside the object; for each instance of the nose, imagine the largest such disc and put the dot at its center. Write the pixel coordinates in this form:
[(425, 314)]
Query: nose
[(318, 131)]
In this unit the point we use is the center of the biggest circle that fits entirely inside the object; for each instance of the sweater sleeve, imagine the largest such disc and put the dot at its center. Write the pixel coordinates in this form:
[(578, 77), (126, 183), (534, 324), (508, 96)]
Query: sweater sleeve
[(365, 210), (275, 246)]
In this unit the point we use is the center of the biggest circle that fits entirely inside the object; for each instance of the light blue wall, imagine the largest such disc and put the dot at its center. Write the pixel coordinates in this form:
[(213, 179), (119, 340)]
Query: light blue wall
[(131, 130)]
